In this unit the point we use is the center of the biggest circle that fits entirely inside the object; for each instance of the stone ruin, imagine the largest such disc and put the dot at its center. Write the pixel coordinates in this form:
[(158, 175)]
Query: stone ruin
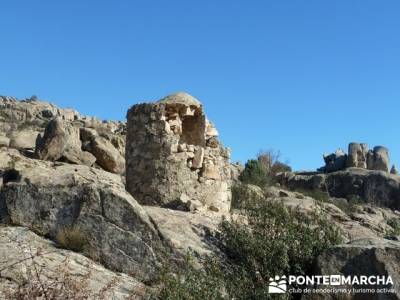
[(359, 156), (174, 158)]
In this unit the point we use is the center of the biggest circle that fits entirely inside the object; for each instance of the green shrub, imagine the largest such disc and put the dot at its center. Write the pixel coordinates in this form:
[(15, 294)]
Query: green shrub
[(253, 173), (275, 241), (270, 162), (395, 224), (72, 238), (192, 283), (351, 206), (245, 194), (262, 171)]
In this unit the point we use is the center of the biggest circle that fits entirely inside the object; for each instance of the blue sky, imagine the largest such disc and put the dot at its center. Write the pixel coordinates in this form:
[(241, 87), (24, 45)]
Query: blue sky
[(304, 77)]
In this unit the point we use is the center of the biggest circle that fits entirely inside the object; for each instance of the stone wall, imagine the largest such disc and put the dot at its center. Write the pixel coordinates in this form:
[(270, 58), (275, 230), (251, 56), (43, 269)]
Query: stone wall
[(174, 158)]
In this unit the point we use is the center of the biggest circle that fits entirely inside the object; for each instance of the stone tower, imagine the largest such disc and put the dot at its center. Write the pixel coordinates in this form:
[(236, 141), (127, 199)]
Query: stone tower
[(173, 156)]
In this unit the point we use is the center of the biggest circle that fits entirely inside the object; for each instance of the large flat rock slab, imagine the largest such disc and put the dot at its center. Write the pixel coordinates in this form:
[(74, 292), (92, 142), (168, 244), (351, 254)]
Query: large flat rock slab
[(48, 197), (22, 252)]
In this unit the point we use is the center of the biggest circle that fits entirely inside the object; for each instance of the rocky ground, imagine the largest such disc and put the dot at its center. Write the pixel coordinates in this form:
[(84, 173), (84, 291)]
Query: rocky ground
[(63, 170)]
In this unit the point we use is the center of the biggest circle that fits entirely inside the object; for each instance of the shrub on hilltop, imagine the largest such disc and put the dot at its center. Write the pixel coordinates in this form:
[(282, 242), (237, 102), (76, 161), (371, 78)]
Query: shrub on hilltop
[(262, 171)]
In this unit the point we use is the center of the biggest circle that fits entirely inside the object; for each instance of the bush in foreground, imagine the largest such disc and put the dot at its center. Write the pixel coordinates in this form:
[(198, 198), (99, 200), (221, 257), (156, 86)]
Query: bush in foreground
[(395, 224), (193, 283), (275, 241)]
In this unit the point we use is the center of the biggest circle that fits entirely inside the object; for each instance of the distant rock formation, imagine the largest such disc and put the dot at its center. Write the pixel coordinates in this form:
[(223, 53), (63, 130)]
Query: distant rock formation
[(174, 158), (358, 157), (335, 161), (378, 159), (368, 186)]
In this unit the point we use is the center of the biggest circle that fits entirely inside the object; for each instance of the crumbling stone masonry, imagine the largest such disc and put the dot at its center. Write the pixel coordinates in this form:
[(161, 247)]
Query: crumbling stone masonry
[(173, 156)]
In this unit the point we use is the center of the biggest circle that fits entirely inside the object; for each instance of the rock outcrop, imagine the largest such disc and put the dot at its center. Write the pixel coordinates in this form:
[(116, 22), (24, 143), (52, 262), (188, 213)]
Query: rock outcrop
[(107, 156), (335, 161), (61, 142), (379, 159), (358, 157), (364, 257), (48, 197), (23, 140), (173, 157), (55, 134), (355, 221), (30, 113), (56, 174), (376, 187), (54, 188), (22, 252), (197, 231)]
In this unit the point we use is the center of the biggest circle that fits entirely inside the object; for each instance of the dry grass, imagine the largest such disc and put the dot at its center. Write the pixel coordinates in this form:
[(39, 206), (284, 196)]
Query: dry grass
[(63, 286), (72, 238)]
